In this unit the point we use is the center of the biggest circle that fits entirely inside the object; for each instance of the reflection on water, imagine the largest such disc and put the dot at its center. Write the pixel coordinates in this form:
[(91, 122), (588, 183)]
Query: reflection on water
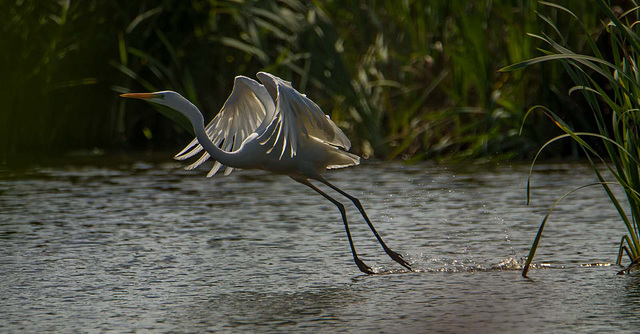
[(137, 246)]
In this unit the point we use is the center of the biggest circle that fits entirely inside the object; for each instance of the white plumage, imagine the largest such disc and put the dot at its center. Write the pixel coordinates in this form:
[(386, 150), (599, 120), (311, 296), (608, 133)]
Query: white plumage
[(274, 106), (271, 126)]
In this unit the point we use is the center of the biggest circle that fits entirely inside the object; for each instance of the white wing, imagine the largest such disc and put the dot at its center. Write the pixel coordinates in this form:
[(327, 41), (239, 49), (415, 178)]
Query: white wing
[(242, 113), (295, 116)]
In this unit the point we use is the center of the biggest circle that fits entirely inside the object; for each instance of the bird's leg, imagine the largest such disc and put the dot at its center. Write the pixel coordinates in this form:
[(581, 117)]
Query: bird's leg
[(394, 255), (361, 265)]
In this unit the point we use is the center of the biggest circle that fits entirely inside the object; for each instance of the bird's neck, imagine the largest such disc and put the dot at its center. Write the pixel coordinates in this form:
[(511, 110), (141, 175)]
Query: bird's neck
[(225, 158)]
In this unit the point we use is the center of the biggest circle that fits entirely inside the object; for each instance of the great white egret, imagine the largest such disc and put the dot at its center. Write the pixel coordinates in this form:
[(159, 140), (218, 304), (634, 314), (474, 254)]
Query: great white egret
[(271, 126)]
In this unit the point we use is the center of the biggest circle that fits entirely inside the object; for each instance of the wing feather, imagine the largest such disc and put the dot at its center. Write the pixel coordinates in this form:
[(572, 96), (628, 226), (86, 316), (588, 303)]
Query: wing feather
[(242, 114), (296, 115)]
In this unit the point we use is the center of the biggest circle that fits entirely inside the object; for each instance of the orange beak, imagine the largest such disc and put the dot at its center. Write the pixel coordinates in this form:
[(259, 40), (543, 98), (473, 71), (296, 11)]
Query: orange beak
[(142, 96)]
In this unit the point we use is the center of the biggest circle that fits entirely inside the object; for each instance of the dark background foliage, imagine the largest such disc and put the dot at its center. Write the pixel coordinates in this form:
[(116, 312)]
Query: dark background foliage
[(404, 79)]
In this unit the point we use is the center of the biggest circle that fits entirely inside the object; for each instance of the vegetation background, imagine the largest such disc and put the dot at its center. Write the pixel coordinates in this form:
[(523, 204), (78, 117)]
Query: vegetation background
[(404, 79)]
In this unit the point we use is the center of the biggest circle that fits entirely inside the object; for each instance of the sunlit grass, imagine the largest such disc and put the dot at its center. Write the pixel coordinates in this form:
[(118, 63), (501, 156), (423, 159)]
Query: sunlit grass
[(410, 79), (609, 81)]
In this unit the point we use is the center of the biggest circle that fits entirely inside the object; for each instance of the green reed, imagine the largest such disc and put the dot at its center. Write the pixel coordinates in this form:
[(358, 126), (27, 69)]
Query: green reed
[(610, 84), (421, 74), (36, 50), (405, 79), (408, 79)]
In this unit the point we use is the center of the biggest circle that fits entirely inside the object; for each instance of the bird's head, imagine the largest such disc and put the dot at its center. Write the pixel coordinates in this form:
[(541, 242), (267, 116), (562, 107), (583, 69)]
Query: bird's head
[(173, 101), (167, 98)]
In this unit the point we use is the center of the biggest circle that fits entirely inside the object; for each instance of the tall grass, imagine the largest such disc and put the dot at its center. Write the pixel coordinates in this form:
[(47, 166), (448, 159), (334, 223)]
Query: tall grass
[(429, 74), (608, 78), (408, 79), (34, 65)]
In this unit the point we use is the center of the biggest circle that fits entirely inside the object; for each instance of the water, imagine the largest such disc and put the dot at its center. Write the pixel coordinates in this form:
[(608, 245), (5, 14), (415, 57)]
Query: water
[(133, 246)]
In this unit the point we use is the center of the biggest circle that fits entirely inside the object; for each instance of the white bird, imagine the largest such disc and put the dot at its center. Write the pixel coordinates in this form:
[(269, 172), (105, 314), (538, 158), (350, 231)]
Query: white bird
[(273, 127)]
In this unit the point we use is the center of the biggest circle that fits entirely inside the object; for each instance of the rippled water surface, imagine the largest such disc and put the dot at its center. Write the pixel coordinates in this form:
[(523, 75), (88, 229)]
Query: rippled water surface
[(128, 246)]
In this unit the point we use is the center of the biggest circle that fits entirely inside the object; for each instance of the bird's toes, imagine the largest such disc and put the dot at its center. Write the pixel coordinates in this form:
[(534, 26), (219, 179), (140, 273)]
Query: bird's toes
[(398, 258), (363, 267)]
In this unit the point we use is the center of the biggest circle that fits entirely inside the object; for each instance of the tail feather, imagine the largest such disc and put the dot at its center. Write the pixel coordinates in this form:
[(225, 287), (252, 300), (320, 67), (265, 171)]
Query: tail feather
[(344, 159)]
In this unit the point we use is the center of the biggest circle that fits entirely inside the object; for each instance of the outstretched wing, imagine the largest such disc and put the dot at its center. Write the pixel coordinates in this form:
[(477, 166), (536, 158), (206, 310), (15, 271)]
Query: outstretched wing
[(242, 113), (296, 116)]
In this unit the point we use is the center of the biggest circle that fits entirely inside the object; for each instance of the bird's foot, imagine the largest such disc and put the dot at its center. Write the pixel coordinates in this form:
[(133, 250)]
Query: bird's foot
[(363, 267), (398, 258)]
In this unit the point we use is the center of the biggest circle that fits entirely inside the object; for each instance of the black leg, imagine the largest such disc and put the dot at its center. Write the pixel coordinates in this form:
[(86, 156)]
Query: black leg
[(361, 265), (395, 256)]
